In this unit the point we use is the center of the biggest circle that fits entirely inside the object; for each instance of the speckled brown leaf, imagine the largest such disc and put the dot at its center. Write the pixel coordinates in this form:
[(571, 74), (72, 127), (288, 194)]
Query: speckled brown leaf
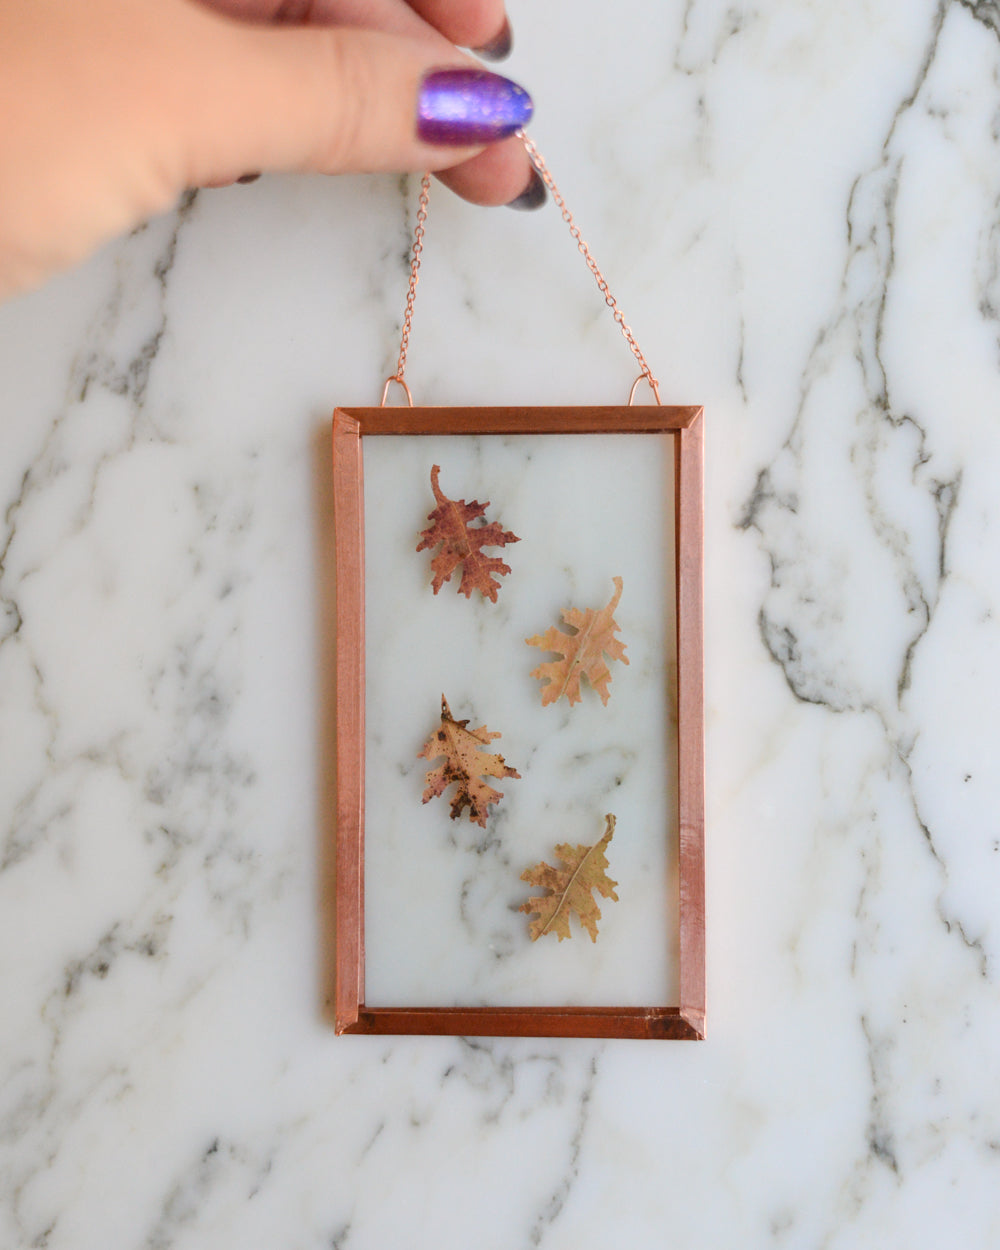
[(462, 543), (570, 888), (583, 652), (466, 763)]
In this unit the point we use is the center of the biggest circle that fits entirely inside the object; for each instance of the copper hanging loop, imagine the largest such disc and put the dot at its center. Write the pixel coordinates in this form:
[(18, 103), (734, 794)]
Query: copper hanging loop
[(654, 386), (399, 381)]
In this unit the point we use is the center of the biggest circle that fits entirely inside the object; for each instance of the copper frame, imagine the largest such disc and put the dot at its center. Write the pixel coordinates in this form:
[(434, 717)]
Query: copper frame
[(350, 427)]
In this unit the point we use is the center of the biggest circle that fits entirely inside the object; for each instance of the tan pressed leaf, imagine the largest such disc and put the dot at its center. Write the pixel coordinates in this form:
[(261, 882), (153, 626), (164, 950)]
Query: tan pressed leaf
[(462, 543), (466, 763), (583, 652), (570, 888)]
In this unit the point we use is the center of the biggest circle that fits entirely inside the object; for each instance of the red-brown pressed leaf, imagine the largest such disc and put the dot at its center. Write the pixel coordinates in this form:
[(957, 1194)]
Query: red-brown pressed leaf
[(570, 888), (466, 763), (583, 652), (462, 543)]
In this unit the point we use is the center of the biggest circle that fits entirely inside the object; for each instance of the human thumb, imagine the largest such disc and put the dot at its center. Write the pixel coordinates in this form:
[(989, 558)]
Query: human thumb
[(333, 99)]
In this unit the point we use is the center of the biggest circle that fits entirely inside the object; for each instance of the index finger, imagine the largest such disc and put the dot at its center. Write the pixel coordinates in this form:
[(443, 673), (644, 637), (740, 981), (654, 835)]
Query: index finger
[(478, 24), (499, 175)]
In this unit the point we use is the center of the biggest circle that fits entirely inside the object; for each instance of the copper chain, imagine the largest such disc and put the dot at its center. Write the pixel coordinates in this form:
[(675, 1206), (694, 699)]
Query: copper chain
[(411, 294), (538, 161), (581, 243)]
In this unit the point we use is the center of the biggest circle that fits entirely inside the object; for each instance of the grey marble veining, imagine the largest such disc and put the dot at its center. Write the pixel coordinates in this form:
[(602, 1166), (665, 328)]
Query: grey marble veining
[(797, 206)]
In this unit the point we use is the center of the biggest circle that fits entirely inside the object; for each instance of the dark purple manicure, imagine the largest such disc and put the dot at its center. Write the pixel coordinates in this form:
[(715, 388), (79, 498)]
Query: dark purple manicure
[(459, 107), (533, 196), (498, 48)]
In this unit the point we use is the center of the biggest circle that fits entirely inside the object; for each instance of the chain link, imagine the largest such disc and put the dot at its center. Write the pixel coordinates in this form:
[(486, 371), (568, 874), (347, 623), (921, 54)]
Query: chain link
[(538, 162), (411, 294)]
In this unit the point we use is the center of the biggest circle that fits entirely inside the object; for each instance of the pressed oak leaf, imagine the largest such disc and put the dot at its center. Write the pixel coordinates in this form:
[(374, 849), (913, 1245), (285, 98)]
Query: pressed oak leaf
[(462, 544), (583, 652), (570, 888), (466, 763)]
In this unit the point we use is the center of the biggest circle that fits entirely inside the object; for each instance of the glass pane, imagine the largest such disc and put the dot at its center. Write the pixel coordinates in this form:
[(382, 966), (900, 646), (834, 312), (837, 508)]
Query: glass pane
[(442, 923)]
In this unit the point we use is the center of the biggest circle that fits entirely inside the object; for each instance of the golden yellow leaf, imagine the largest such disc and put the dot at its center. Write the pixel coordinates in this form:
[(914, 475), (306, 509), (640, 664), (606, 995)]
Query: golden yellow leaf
[(570, 888)]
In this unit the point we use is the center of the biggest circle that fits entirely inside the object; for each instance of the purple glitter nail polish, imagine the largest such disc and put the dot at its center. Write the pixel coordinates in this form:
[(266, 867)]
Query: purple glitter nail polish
[(469, 106)]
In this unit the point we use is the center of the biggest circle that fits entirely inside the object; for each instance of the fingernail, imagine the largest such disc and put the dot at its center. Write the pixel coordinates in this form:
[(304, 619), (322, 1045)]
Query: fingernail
[(499, 47), (457, 107), (247, 178), (534, 194)]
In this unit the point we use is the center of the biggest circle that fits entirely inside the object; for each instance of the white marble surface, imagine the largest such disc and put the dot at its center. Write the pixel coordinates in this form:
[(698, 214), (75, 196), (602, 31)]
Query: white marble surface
[(798, 206)]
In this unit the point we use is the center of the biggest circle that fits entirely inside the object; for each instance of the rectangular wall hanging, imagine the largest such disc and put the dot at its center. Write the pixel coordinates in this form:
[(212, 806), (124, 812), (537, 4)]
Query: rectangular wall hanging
[(596, 511)]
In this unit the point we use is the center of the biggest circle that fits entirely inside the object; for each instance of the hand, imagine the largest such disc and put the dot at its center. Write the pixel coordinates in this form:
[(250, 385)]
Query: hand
[(111, 108)]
